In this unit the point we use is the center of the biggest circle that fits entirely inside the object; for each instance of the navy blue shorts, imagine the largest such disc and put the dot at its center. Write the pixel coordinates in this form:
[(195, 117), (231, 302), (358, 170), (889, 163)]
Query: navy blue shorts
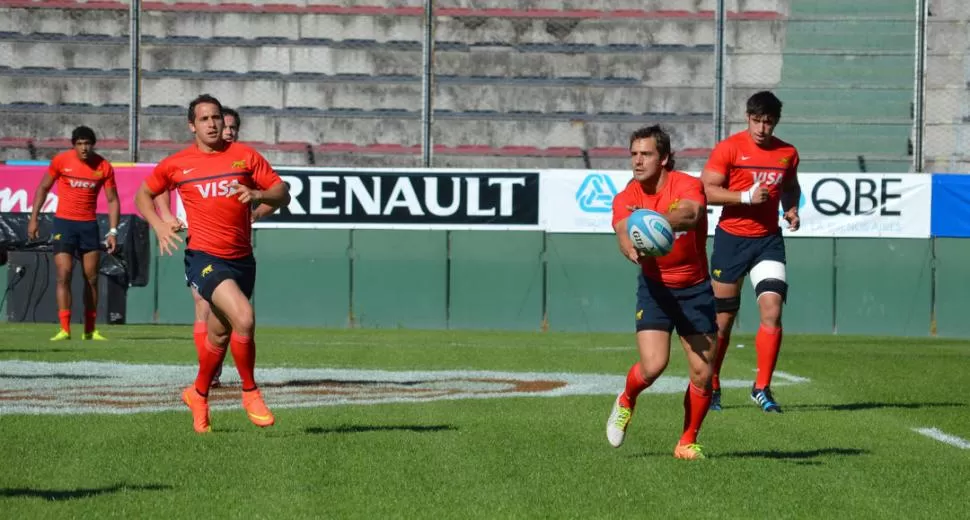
[(205, 272), (689, 310), (734, 256), (75, 236)]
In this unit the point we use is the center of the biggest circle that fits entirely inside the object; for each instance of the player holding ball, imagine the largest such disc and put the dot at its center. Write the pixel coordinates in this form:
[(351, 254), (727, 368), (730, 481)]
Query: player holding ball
[(674, 289)]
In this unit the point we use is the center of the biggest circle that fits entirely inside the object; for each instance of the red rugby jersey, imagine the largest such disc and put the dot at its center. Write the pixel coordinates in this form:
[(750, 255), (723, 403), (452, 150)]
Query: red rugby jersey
[(218, 222), (78, 184), (742, 162), (686, 264)]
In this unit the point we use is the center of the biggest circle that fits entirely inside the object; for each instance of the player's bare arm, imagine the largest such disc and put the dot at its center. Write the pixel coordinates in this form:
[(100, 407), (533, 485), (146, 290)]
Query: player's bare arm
[(718, 195), (167, 238), (163, 201), (114, 218), (40, 196), (684, 215), (626, 245), (791, 192), (262, 211)]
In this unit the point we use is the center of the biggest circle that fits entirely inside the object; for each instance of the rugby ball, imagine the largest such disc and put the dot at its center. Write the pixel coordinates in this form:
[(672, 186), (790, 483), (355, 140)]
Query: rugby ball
[(650, 232)]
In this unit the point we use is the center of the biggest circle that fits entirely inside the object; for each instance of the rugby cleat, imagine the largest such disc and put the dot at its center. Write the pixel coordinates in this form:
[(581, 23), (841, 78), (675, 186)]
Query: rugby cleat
[(93, 335), (62, 335), (715, 401), (256, 409), (764, 399), (689, 452), (199, 406), (617, 423)]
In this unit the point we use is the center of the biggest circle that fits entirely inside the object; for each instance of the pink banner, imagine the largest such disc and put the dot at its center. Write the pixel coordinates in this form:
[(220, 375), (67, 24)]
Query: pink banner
[(18, 184)]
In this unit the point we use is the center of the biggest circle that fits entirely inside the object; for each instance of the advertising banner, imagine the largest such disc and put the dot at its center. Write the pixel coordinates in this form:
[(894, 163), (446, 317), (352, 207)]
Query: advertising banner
[(18, 184), (951, 205), (408, 199), (832, 205)]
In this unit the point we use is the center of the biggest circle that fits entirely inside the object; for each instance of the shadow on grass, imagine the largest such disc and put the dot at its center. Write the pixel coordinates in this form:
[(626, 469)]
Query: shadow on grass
[(853, 407), (33, 350), (800, 455), (382, 428), (66, 377), (71, 494)]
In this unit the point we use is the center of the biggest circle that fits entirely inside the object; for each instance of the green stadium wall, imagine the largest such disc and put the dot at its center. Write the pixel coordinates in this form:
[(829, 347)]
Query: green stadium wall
[(529, 280)]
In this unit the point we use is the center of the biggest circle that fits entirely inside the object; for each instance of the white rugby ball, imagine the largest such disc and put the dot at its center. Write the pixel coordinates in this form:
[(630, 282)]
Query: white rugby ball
[(650, 232)]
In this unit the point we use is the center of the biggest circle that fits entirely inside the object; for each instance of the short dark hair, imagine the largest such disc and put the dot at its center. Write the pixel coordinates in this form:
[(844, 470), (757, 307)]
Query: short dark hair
[(661, 137), (764, 103), (226, 111), (203, 98), (83, 132)]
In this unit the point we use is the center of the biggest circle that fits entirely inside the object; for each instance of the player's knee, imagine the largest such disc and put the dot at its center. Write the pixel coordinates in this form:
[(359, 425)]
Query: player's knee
[(771, 295), (243, 320), (202, 310), (651, 368), (219, 337), (64, 277)]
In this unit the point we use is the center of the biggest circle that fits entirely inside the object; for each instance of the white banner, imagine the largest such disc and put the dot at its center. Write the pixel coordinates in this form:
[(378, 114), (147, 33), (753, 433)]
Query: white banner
[(832, 204)]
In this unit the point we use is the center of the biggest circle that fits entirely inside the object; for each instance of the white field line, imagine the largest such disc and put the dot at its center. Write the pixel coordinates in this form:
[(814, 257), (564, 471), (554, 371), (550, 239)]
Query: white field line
[(936, 434)]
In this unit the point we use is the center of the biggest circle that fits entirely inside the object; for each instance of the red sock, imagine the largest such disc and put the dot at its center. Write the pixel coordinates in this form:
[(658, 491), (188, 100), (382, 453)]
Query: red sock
[(722, 346), (89, 318), (767, 342), (199, 333), (211, 359), (65, 318), (635, 383), (244, 355), (696, 402)]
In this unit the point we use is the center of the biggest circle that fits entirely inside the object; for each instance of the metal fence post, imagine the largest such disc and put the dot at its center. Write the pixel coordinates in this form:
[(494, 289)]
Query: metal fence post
[(134, 103), (719, 18), (919, 85), (427, 85)]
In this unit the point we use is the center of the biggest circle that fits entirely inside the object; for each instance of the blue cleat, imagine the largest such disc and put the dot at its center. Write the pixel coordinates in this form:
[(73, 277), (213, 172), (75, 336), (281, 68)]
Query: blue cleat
[(764, 399), (715, 401)]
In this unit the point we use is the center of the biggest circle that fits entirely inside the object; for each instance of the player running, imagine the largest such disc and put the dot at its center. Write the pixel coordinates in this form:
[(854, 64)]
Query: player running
[(230, 133), (674, 290), (80, 174), (218, 182), (749, 173)]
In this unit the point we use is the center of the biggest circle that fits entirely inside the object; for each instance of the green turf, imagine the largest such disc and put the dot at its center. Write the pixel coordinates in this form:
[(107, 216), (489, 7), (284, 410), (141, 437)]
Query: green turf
[(843, 449)]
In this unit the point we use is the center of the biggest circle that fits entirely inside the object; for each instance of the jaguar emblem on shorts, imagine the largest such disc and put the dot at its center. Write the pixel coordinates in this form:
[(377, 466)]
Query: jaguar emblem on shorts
[(206, 271)]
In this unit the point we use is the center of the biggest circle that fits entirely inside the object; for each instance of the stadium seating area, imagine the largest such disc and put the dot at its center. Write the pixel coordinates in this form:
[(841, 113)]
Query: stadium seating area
[(517, 84)]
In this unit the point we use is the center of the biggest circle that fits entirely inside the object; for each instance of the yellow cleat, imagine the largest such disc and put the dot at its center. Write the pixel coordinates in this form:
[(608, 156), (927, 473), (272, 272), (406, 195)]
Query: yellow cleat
[(689, 452), (94, 335), (62, 335)]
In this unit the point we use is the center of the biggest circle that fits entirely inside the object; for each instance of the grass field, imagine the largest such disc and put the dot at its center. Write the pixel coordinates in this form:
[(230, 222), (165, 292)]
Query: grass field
[(464, 446)]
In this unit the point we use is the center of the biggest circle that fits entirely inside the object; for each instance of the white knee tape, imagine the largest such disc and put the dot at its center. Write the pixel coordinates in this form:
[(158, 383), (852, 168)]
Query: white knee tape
[(767, 269)]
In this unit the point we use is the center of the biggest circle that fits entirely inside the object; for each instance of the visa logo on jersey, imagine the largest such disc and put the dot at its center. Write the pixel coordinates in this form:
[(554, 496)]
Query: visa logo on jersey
[(222, 188), (768, 178), (85, 185)]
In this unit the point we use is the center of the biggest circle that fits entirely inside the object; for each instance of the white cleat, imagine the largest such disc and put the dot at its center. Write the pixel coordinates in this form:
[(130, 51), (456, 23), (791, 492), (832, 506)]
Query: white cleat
[(617, 423)]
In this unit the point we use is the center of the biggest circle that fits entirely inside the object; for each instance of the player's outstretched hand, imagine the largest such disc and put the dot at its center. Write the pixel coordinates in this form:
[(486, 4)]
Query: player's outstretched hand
[(794, 222), (167, 239), (246, 194)]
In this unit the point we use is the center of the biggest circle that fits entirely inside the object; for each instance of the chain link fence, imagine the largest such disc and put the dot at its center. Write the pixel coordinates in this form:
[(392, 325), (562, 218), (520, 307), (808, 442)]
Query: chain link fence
[(512, 84)]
